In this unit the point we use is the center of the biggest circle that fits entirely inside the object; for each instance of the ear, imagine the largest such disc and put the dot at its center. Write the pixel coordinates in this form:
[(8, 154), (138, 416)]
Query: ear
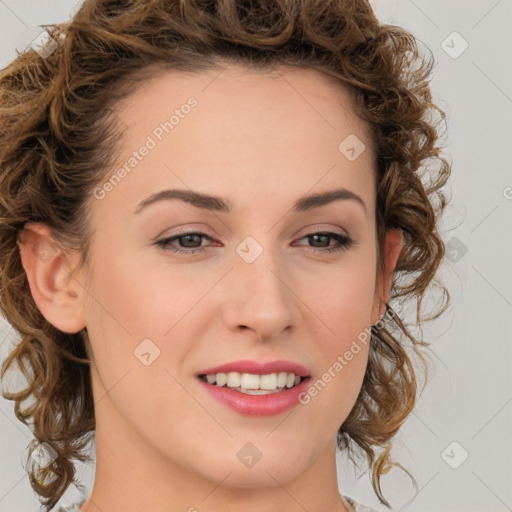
[(391, 250), (56, 292)]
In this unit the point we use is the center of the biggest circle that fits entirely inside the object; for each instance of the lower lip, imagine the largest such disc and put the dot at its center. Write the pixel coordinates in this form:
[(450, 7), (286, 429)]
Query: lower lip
[(257, 405)]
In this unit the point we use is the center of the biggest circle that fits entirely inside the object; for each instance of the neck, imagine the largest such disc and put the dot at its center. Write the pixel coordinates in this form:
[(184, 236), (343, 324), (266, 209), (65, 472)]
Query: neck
[(132, 475)]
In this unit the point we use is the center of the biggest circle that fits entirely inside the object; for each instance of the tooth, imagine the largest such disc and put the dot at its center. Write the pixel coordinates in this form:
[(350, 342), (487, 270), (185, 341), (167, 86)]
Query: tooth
[(268, 381), (250, 381), (282, 377), (233, 380), (221, 379)]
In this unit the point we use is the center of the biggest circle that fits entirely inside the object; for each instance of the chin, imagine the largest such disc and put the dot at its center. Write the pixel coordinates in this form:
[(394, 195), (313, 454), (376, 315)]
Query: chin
[(259, 476), (269, 470)]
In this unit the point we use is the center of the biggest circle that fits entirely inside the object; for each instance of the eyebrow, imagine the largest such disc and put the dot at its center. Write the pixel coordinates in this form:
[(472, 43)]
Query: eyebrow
[(218, 204)]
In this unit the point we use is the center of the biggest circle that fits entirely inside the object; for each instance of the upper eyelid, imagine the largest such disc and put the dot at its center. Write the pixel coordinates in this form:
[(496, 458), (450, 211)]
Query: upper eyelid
[(309, 229)]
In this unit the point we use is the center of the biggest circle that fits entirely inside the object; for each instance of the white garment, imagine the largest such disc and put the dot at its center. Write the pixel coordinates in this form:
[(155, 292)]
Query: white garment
[(356, 506)]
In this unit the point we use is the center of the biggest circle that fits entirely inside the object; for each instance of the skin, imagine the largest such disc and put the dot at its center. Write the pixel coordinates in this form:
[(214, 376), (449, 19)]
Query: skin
[(260, 140)]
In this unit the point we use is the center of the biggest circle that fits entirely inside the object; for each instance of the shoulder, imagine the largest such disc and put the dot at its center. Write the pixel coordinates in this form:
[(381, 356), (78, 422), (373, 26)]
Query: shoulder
[(358, 507)]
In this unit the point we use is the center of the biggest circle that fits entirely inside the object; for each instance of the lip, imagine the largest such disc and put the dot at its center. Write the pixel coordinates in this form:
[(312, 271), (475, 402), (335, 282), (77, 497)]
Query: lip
[(257, 405), (251, 366)]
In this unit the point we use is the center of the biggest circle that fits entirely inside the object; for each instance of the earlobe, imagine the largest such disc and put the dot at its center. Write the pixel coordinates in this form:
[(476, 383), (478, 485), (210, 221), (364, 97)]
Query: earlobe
[(57, 294), (391, 251)]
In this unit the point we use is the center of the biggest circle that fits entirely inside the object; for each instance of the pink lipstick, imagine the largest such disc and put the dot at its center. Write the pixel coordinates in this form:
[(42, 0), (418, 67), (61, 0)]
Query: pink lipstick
[(274, 401)]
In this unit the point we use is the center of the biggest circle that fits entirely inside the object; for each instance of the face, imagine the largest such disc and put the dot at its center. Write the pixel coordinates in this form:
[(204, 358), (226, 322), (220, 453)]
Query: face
[(250, 281)]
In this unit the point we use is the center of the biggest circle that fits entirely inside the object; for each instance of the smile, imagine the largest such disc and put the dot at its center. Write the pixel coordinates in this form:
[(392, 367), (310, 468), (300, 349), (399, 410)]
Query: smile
[(253, 384), (254, 401)]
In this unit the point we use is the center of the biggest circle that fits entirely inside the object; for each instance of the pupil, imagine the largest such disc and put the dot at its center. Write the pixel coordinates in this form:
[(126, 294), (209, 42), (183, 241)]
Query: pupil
[(324, 236), (187, 238)]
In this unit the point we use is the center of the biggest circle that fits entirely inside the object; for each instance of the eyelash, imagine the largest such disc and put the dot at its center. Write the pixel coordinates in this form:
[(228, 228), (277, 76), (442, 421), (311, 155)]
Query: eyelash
[(344, 241)]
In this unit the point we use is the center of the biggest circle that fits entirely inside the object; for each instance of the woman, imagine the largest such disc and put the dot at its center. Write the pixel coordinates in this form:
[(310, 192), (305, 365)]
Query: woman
[(206, 210)]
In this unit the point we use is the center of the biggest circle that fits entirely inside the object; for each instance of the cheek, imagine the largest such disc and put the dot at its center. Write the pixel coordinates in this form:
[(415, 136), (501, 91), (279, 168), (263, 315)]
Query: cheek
[(342, 299), (342, 305), (129, 304), (137, 300), (333, 393), (128, 316)]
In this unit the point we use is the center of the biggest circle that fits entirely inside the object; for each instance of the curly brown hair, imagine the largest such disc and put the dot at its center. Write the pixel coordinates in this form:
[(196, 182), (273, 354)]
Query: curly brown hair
[(58, 140)]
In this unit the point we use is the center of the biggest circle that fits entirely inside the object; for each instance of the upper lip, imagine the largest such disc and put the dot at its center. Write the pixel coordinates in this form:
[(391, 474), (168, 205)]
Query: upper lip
[(260, 368)]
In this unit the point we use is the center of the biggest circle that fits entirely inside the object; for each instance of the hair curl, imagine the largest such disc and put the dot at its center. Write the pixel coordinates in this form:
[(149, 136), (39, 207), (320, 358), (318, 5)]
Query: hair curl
[(58, 140)]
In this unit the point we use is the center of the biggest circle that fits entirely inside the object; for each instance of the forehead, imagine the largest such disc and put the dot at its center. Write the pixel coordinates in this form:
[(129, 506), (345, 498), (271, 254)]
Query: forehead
[(290, 93), (251, 132)]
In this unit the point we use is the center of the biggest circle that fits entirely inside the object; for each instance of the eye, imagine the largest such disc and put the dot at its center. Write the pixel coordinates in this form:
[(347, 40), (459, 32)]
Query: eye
[(344, 241), (190, 242)]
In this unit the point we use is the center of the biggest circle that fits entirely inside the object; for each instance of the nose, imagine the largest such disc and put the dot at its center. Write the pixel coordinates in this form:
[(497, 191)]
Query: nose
[(261, 297)]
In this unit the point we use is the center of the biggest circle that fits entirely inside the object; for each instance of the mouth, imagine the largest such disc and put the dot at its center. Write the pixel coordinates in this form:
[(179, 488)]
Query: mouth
[(254, 384)]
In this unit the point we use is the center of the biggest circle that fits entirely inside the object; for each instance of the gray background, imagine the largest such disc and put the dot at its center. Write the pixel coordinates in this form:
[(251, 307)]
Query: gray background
[(468, 398)]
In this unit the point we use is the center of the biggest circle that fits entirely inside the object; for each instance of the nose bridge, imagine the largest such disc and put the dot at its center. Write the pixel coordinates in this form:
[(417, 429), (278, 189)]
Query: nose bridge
[(260, 258), (261, 296)]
